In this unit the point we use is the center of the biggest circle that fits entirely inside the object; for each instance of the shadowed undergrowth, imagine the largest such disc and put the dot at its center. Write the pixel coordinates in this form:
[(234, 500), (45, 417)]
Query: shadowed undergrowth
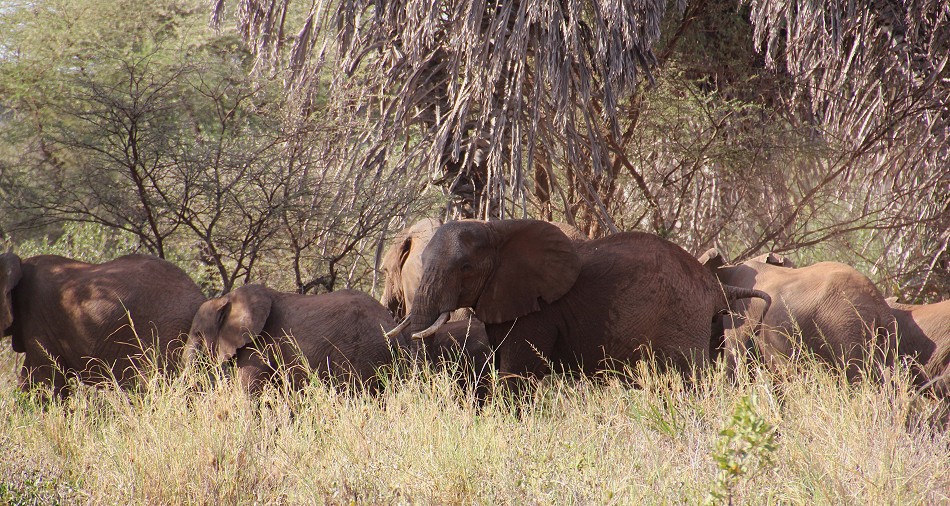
[(811, 439)]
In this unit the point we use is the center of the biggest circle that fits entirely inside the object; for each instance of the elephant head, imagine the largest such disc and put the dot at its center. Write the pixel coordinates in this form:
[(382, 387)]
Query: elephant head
[(500, 269), (402, 266), (713, 260), (228, 323), (10, 274), (774, 259)]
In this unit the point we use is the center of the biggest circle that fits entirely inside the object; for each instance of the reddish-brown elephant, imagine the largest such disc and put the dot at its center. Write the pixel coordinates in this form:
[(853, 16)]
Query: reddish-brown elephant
[(402, 266), (924, 335), (94, 322), (273, 335), (835, 311), (547, 300)]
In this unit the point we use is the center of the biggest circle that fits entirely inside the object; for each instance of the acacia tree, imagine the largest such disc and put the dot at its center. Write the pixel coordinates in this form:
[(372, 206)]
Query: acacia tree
[(169, 139)]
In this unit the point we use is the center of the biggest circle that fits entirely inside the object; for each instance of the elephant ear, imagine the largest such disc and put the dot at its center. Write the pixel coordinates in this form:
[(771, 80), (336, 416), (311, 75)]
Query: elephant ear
[(250, 307), (779, 260), (10, 275), (535, 260), (229, 323), (712, 259), (393, 261)]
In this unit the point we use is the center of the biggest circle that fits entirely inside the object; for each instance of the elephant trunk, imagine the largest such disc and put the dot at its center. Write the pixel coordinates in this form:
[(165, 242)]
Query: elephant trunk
[(393, 303), (188, 357), (194, 348), (734, 293), (427, 310)]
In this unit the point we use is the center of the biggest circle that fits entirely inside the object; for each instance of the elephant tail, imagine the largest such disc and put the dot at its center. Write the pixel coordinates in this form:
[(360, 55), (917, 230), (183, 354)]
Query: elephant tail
[(734, 293)]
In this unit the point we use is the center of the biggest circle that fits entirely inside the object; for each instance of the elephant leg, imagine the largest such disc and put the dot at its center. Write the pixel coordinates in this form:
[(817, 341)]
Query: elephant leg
[(738, 336), (43, 373), (288, 364), (522, 353)]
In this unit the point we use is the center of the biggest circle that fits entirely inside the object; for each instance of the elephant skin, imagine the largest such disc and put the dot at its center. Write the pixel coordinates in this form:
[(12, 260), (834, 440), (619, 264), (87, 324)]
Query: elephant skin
[(73, 317), (841, 315), (338, 334), (462, 348), (924, 335), (402, 265), (577, 305)]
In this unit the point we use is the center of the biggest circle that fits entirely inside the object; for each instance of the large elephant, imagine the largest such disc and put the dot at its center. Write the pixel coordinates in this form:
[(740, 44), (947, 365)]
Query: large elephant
[(72, 317), (338, 334), (402, 264), (838, 312), (547, 300), (924, 334)]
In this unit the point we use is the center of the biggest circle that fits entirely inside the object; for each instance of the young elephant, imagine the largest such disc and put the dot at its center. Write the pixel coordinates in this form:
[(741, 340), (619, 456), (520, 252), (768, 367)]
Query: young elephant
[(462, 348), (547, 300), (839, 313), (338, 334), (73, 317), (402, 266), (924, 335)]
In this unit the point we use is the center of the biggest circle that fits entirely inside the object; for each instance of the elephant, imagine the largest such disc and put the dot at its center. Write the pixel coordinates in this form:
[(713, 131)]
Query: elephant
[(548, 302), (839, 313), (337, 335), (462, 342), (924, 335), (95, 322), (402, 265)]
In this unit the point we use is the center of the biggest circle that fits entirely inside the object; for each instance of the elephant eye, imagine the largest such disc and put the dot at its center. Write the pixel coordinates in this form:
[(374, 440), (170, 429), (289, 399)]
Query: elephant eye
[(466, 267)]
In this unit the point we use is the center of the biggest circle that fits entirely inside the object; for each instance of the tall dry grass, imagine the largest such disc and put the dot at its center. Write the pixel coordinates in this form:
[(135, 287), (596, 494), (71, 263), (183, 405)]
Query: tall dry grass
[(812, 439)]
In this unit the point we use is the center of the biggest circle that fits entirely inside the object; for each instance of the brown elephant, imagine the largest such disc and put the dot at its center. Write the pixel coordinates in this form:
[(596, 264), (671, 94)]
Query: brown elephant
[(402, 265), (838, 312), (73, 317), (549, 301), (338, 335), (924, 335), (461, 348)]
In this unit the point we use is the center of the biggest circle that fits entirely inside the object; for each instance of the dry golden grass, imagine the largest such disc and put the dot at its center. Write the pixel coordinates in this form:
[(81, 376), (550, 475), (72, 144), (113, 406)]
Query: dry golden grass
[(810, 440)]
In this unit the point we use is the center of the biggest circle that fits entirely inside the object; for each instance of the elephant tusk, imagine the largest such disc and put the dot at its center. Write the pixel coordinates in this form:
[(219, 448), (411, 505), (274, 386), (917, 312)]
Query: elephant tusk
[(399, 328), (434, 327)]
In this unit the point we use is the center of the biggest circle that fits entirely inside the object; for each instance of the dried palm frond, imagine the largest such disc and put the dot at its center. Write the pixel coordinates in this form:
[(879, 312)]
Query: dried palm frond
[(874, 73), (473, 93), (875, 78)]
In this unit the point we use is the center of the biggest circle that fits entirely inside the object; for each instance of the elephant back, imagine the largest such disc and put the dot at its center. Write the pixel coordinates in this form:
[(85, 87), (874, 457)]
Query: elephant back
[(653, 291), (341, 333), (95, 316)]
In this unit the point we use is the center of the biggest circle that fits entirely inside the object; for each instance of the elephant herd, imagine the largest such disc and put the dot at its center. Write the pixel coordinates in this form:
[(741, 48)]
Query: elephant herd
[(525, 296)]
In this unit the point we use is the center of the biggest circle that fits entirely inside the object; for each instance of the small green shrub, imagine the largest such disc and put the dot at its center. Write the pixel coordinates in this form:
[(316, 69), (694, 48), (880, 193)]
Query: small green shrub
[(745, 448)]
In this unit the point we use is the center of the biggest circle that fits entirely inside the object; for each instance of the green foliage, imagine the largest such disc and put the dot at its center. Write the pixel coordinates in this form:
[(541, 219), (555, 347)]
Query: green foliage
[(139, 118), (95, 243), (87, 242), (745, 448)]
